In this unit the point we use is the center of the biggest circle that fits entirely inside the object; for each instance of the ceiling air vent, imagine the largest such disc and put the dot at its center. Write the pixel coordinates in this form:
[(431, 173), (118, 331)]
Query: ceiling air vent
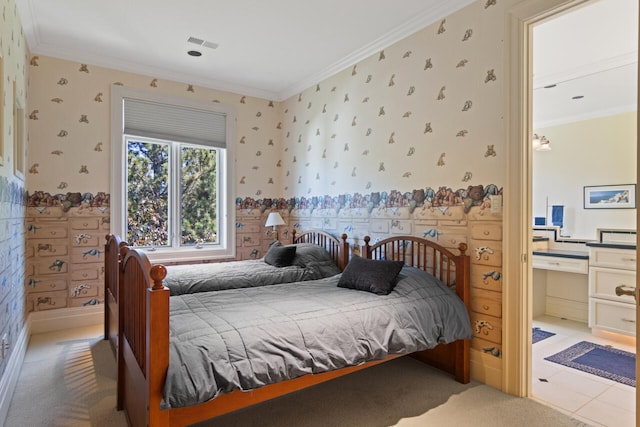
[(200, 42)]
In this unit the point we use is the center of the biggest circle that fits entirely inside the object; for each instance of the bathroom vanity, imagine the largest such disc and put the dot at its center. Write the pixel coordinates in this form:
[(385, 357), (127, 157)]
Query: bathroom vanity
[(587, 281)]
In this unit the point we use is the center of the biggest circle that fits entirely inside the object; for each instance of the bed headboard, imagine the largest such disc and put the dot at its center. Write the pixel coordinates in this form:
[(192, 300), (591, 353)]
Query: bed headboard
[(452, 269), (338, 248)]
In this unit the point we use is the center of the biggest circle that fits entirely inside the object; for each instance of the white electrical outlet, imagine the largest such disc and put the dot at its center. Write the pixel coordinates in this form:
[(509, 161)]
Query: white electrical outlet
[(5, 345)]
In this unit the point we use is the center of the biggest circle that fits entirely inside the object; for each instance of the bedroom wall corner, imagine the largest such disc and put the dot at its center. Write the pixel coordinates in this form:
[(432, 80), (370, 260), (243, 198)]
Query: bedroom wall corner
[(13, 91)]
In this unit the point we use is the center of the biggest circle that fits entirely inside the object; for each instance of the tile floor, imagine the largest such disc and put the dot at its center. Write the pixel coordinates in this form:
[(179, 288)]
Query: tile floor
[(591, 399)]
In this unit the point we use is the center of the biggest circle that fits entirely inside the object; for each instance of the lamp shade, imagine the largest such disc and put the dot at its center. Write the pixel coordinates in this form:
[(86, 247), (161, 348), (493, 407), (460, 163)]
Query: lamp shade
[(274, 219)]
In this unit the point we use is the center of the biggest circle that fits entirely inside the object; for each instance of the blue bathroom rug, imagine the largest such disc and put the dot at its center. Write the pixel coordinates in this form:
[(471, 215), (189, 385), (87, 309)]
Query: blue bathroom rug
[(595, 359), (539, 335)]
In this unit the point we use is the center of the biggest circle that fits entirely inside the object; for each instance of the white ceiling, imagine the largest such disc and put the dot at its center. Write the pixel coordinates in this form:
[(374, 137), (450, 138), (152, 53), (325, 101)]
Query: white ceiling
[(275, 49), (591, 51), (272, 49)]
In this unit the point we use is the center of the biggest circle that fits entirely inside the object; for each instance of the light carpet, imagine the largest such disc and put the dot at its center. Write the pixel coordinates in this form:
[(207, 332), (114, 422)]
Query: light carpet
[(75, 385)]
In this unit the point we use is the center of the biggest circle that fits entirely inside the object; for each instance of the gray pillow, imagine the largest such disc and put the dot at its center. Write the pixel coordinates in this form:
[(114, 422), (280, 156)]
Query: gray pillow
[(280, 256), (308, 253), (377, 276)]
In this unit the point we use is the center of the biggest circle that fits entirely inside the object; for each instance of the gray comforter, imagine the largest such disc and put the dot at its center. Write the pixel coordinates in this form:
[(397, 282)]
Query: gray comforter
[(311, 262), (247, 338)]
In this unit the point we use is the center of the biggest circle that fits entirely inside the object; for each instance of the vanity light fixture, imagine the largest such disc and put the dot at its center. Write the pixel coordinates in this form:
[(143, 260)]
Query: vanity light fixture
[(541, 143)]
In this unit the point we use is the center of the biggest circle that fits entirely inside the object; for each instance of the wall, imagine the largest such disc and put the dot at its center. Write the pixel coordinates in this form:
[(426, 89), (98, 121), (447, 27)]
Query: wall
[(69, 125), (426, 110), (593, 152), (13, 50)]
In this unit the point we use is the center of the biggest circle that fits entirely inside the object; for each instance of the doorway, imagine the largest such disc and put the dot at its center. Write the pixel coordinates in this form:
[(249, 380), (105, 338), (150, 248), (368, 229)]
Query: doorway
[(519, 213), (589, 399)]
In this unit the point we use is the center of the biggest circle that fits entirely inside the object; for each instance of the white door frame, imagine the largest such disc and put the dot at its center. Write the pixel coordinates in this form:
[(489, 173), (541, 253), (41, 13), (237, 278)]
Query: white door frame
[(517, 215)]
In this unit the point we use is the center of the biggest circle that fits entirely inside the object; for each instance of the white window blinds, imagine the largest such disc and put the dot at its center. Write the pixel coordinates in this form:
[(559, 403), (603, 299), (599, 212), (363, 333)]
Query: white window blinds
[(174, 123)]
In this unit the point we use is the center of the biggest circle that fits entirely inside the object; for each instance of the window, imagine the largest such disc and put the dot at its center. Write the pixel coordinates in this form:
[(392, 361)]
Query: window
[(172, 176)]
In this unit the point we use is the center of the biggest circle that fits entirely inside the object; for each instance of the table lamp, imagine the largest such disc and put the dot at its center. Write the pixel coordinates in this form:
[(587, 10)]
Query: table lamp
[(274, 219)]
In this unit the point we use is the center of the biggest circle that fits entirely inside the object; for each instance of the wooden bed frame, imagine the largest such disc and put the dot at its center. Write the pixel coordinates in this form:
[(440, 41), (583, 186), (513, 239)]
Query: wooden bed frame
[(144, 356), (337, 248)]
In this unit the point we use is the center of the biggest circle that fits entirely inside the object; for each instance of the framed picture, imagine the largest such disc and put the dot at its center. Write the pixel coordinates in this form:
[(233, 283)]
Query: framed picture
[(610, 196)]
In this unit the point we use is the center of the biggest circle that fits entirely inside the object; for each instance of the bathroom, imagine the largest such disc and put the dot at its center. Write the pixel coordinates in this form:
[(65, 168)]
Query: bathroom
[(583, 202)]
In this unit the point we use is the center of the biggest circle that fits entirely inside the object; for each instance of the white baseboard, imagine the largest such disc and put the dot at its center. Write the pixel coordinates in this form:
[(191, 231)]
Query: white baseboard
[(12, 373), (66, 318)]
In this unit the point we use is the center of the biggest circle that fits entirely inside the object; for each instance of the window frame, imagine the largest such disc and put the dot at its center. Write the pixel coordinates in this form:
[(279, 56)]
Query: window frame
[(226, 246)]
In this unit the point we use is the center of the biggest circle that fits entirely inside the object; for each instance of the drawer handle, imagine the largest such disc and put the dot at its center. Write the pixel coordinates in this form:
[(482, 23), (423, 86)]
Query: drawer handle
[(628, 320), (627, 291), (485, 307), (486, 232), (629, 259), (554, 263)]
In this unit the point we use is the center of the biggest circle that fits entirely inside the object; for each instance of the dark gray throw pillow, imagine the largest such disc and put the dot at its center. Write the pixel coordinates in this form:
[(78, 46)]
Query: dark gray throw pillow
[(377, 276), (280, 256)]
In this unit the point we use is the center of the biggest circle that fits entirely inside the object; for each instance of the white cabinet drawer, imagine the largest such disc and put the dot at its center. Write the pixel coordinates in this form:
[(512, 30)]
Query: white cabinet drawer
[(571, 265), (603, 283), (612, 316), (613, 258)]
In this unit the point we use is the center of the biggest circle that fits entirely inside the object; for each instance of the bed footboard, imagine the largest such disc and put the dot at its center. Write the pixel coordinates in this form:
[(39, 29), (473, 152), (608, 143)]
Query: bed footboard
[(144, 339), (453, 270)]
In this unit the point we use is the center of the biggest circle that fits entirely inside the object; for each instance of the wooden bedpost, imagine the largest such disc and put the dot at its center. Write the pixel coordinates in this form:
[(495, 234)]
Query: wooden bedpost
[(344, 252), (157, 348), (463, 289), (366, 248)]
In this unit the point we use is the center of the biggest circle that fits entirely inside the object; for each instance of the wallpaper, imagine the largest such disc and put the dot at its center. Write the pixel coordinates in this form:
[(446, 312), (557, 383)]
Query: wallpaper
[(426, 111), (69, 123), (14, 73)]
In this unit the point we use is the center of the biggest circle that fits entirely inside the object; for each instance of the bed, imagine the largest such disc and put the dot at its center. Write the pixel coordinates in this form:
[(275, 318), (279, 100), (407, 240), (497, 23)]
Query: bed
[(318, 255), (149, 334)]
